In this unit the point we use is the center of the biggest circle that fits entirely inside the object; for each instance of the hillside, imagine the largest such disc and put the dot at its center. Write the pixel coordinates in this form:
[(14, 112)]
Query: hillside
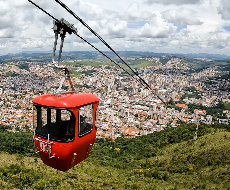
[(197, 62), (170, 159)]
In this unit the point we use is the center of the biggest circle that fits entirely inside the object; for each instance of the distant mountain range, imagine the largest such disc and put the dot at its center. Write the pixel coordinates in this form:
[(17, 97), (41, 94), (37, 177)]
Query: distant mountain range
[(121, 53), (197, 61)]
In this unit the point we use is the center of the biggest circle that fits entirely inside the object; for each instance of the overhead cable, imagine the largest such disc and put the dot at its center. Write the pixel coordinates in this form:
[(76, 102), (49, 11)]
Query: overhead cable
[(106, 44), (142, 81)]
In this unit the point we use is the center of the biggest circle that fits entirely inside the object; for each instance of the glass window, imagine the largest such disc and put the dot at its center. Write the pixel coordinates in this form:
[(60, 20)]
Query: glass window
[(68, 119), (44, 117), (85, 119), (65, 115), (59, 123), (40, 120), (53, 115), (97, 119), (35, 115)]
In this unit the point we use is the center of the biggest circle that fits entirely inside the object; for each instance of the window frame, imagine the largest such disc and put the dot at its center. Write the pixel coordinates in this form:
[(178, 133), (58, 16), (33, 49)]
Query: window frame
[(38, 121), (87, 132)]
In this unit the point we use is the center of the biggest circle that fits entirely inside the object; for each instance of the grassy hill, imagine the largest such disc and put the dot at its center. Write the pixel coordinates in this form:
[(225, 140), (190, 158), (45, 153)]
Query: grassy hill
[(170, 159), (135, 65), (199, 64)]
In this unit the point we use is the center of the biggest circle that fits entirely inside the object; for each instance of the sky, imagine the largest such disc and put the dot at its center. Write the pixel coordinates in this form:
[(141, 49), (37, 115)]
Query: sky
[(163, 26)]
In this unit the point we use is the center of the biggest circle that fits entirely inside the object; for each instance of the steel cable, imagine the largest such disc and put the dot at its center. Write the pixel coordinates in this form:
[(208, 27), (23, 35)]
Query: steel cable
[(139, 78)]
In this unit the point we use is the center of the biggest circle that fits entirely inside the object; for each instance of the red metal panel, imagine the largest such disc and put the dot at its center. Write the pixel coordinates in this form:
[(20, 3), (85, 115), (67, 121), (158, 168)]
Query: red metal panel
[(68, 100)]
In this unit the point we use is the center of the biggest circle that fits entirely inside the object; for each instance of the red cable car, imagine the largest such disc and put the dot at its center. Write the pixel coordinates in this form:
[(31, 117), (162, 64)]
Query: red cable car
[(65, 128), (65, 122)]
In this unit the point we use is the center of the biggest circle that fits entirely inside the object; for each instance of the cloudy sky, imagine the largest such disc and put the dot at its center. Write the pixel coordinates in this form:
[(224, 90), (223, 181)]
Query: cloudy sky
[(174, 26)]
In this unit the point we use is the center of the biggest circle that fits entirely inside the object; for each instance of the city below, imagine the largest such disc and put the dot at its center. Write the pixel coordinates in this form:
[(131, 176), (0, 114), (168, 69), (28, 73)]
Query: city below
[(194, 89)]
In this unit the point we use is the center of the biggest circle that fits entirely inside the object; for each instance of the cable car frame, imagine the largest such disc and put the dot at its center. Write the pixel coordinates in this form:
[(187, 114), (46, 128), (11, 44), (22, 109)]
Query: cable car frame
[(54, 145)]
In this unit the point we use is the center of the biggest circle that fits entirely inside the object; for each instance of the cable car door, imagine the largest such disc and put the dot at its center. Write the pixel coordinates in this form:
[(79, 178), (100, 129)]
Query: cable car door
[(86, 132)]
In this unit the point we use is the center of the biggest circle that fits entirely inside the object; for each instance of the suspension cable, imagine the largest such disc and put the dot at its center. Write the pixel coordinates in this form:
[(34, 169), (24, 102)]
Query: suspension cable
[(142, 81), (84, 40), (43, 10), (102, 40), (107, 57), (107, 45)]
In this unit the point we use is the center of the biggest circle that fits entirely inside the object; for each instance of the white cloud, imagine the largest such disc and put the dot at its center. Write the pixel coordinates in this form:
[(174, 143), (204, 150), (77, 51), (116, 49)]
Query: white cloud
[(182, 16), (134, 13), (116, 29), (132, 25), (156, 30), (6, 34), (224, 9), (176, 2), (4, 7), (89, 10)]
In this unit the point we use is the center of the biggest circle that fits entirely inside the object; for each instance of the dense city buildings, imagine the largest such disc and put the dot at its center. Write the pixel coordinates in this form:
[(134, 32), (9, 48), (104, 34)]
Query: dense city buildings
[(126, 107)]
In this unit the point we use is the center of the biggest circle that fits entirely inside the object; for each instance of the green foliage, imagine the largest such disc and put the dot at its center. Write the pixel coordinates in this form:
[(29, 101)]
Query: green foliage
[(192, 93), (227, 106), (18, 106), (216, 111), (24, 66), (15, 174), (75, 74), (78, 85), (171, 103), (169, 159), (16, 143), (180, 102), (178, 108), (93, 63), (132, 150), (89, 72), (11, 74), (65, 87), (190, 89), (138, 64)]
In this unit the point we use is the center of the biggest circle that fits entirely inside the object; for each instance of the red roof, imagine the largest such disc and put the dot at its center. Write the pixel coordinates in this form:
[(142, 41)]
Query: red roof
[(66, 100), (181, 105)]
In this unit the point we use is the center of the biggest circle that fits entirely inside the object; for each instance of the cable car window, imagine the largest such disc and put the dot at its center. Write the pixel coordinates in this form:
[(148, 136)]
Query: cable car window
[(65, 115), (69, 120), (53, 115), (97, 120), (44, 117), (59, 123), (42, 124), (35, 115), (85, 119)]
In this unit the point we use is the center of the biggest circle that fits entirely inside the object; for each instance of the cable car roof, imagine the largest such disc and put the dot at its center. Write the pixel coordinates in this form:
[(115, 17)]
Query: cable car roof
[(66, 100)]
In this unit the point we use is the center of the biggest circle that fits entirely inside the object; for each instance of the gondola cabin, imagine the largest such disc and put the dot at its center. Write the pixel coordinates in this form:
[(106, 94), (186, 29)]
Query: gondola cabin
[(65, 128)]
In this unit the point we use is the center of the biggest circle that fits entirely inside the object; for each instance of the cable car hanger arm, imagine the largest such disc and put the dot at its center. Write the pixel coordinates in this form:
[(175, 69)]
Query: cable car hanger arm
[(69, 28), (61, 27)]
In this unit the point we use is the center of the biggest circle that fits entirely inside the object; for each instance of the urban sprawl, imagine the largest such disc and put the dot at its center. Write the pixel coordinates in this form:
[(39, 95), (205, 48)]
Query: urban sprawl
[(126, 107)]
